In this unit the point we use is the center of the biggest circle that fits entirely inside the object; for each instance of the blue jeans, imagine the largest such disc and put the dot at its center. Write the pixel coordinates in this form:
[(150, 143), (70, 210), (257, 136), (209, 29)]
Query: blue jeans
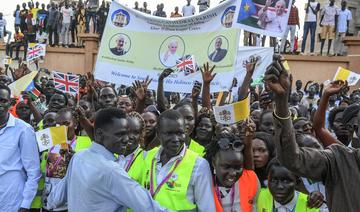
[(312, 27), (88, 16)]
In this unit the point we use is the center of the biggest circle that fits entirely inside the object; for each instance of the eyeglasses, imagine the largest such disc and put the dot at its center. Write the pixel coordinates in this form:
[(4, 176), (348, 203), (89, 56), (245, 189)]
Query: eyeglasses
[(226, 144)]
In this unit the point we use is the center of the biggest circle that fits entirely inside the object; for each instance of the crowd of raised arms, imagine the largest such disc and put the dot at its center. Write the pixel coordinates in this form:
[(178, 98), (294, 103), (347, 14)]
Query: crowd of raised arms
[(131, 148), (63, 24)]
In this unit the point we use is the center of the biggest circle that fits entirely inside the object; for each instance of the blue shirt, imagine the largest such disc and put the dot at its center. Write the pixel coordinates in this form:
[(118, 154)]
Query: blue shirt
[(19, 165), (17, 17), (95, 182)]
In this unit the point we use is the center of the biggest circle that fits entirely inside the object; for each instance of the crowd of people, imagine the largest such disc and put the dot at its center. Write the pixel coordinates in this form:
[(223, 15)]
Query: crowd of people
[(130, 148), (145, 150), (61, 25)]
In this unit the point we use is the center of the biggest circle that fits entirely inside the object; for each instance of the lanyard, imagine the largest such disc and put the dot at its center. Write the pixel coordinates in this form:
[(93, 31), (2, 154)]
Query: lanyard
[(152, 173), (132, 159), (232, 195)]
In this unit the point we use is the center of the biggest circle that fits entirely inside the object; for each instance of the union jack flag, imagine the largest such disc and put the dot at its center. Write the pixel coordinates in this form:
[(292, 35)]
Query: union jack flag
[(187, 65), (35, 50), (67, 83)]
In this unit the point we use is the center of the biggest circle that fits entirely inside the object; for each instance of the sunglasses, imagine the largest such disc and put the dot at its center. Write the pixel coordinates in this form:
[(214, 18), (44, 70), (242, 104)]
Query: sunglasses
[(225, 144)]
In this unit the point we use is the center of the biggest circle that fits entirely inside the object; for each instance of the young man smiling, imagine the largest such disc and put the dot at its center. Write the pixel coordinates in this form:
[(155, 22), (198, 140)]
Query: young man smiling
[(176, 176), (94, 181)]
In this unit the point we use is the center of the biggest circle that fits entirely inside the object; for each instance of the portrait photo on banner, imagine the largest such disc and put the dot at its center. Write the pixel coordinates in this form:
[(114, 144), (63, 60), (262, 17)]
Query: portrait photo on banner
[(267, 17)]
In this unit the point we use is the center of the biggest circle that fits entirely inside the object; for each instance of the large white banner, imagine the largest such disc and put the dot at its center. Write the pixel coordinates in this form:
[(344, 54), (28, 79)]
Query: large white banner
[(136, 45)]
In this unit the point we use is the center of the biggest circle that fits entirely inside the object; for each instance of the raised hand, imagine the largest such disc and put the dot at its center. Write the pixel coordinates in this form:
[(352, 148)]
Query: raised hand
[(277, 78), (80, 112), (165, 73), (250, 127), (250, 65), (207, 73), (336, 87), (146, 83), (139, 90), (315, 199), (196, 90)]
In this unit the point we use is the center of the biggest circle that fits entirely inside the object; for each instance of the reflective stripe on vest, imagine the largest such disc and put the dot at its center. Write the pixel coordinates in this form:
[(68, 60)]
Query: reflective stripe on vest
[(197, 148), (266, 202), (173, 194), (248, 186)]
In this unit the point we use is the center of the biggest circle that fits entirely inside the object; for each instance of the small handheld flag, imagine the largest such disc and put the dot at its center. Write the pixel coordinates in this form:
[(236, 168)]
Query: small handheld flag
[(186, 64), (232, 113), (67, 83), (35, 50), (50, 137), (343, 74)]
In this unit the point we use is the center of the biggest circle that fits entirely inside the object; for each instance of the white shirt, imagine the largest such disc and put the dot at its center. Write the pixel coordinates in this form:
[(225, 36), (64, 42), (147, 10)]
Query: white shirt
[(188, 10), (95, 182), (67, 13), (200, 186), (329, 15), (19, 165), (276, 23), (289, 206), (344, 16), (311, 16)]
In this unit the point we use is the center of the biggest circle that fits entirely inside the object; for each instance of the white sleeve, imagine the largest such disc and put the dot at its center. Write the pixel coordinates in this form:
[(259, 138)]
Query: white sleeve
[(203, 193), (349, 17)]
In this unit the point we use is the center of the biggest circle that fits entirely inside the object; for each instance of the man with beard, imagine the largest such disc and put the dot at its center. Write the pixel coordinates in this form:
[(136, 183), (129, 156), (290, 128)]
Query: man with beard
[(19, 159)]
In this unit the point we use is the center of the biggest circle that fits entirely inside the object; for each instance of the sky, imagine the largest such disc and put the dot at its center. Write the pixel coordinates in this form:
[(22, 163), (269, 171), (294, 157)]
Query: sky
[(8, 7)]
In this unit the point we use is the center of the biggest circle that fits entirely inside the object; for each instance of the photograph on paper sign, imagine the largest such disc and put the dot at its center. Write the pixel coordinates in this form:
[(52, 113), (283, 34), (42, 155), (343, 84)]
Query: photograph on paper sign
[(171, 49), (120, 44), (120, 18), (228, 16), (218, 48), (269, 15)]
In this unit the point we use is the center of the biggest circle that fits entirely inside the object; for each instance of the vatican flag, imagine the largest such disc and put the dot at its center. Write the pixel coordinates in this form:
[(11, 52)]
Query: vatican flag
[(343, 74), (50, 137), (232, 113)]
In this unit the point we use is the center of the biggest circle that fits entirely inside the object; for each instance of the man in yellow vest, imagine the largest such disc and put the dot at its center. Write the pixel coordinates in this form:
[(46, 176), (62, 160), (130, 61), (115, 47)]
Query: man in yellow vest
[(177, 177), (281, 194)]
